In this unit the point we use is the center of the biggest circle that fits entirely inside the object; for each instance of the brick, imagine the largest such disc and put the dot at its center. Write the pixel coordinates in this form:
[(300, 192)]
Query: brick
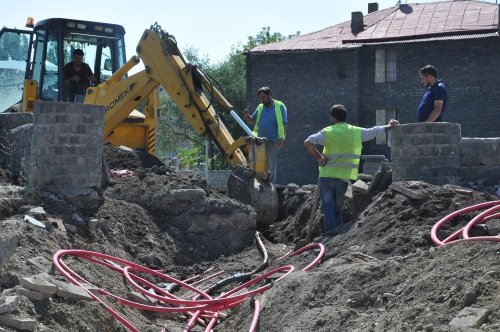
[(360, 186)]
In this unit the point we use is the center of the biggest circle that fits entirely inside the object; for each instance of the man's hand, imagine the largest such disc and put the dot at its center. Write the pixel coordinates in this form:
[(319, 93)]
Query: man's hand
[(248, 118), (280, 143), (393, 123), (322, 161)]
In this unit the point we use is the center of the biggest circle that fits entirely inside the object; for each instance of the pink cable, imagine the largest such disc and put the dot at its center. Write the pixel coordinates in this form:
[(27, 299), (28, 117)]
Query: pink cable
[(256, 315), (310, 246), (207, 307), (489, 214)]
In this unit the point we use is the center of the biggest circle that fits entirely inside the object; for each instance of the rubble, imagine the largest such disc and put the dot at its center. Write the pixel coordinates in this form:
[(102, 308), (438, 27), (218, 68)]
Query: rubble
[(382, 273)]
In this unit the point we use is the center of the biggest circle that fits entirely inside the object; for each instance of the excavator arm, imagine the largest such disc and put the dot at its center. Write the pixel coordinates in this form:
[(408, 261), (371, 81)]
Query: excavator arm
[(165, 66)]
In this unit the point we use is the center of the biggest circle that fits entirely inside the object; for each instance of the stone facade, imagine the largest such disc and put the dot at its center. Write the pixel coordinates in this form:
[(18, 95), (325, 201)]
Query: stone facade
[(309, 83), (66, 148)]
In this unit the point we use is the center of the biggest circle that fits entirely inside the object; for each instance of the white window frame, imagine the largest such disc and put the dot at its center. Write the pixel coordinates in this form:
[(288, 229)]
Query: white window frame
[(385, 66), (382, 117)]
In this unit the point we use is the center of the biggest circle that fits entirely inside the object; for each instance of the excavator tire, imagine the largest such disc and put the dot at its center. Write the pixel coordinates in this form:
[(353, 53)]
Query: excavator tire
[(262, 195)]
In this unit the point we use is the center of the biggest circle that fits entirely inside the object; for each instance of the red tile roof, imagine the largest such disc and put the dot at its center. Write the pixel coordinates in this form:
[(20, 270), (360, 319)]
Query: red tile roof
[(403, 23)]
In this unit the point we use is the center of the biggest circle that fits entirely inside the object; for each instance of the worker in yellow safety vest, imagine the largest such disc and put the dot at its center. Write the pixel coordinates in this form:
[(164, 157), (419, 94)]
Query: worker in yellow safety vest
[(339, 161), (270, 121)]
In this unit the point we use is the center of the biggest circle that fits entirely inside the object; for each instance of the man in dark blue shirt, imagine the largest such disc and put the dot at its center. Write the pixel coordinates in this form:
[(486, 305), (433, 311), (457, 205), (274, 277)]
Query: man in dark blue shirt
[(433, 102)]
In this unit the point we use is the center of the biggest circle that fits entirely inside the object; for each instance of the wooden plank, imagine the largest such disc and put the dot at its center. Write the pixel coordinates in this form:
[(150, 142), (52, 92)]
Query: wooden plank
[(463, 191), (415, 194)]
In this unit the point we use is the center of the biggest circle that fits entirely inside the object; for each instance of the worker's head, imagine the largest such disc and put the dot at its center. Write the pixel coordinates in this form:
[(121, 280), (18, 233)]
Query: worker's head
[(265, 95), (78, 56), (428, 75), (338, 113)]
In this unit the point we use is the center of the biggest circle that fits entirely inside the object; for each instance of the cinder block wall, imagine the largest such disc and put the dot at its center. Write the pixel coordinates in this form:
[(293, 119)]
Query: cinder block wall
[(66, 148), (426, 151), (436, 153), (480, 159)]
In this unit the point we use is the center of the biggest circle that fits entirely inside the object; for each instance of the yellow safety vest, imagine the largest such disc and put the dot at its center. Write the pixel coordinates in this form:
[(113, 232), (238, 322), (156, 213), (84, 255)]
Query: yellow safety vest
[(279, 119), (342, 147)]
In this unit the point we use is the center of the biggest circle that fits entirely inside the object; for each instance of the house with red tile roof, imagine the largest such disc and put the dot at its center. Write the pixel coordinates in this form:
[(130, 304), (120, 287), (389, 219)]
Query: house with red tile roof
[(370, 64)]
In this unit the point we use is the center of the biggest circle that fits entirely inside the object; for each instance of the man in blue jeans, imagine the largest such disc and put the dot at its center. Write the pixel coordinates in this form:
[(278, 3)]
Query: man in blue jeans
[(339, 161)]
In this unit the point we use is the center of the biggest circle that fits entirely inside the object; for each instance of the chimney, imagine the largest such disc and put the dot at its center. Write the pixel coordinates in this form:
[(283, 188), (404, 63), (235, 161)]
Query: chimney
[(372, 7), (356, 22)]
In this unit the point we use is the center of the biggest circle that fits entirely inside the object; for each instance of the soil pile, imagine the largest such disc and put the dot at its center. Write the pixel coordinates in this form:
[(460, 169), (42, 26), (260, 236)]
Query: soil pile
[(382, 273)]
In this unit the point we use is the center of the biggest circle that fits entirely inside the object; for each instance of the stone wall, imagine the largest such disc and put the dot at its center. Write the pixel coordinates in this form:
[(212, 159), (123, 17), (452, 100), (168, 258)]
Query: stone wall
[(480, 160), (436, 153), (66, 148)]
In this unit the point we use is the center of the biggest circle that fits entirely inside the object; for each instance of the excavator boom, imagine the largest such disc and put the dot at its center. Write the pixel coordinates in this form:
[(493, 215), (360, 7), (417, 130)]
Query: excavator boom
[(165, 66)]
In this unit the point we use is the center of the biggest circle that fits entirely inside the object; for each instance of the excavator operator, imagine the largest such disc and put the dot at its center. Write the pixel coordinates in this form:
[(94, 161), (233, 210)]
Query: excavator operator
[(77, 77)]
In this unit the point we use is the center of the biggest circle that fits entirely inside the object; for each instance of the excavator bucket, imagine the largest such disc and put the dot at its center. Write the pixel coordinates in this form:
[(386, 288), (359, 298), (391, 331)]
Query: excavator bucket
[(260, 194)]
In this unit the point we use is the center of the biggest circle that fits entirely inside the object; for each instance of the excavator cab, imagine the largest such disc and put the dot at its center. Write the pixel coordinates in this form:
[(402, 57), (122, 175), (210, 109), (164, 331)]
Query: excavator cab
[(40, 54)]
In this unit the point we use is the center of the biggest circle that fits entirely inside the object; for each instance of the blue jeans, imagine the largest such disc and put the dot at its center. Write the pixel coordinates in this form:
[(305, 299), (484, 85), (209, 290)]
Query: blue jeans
[(272, 159), (332, 193)]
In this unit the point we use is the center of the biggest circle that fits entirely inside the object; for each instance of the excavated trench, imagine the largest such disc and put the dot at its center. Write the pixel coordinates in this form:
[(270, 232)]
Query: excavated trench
[(383, 273)]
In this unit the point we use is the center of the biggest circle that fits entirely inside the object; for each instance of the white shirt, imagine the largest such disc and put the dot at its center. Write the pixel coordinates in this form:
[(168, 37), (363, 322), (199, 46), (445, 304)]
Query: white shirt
[(366, 135)]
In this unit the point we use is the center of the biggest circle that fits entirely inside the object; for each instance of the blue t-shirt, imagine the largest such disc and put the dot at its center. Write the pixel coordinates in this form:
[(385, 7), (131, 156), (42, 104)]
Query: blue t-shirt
[(268, 126), (434, 92)]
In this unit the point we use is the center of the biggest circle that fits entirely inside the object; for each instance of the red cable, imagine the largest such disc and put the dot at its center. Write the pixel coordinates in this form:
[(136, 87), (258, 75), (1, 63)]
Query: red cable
[(207, 307), (489, 214)]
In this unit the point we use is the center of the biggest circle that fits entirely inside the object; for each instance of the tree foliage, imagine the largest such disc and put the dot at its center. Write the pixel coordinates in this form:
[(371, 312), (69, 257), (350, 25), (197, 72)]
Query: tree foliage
[(13, 46)]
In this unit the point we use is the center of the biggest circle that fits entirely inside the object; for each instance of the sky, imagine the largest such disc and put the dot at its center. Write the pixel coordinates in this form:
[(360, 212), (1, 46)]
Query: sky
[(210, 27)]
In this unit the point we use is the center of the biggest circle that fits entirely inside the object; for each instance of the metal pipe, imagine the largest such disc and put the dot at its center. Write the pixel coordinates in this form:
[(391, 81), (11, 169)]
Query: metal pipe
[(241, 123)]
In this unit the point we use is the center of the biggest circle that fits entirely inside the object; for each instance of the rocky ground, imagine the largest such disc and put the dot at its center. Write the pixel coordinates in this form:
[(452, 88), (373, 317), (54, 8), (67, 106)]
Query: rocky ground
[(383, 273)]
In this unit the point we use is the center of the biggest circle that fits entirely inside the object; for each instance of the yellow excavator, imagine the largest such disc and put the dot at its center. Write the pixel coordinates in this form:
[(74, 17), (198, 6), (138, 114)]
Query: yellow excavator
[(34, 72)]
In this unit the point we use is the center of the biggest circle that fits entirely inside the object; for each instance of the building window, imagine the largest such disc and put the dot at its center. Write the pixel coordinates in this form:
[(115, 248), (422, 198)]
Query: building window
[(385, 66), (382, 117)]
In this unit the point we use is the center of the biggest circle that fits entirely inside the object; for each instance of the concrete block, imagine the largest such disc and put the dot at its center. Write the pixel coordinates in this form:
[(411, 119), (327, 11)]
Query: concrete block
[(38, 284), (470, 317), (70, 291), (360, 186), (32, 295), (140, 298), (9, 239), (10, 304), (23, 324)]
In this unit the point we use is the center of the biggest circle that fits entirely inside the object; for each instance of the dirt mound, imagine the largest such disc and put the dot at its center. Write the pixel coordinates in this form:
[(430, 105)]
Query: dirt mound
[(382, 273), (120, 157)]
